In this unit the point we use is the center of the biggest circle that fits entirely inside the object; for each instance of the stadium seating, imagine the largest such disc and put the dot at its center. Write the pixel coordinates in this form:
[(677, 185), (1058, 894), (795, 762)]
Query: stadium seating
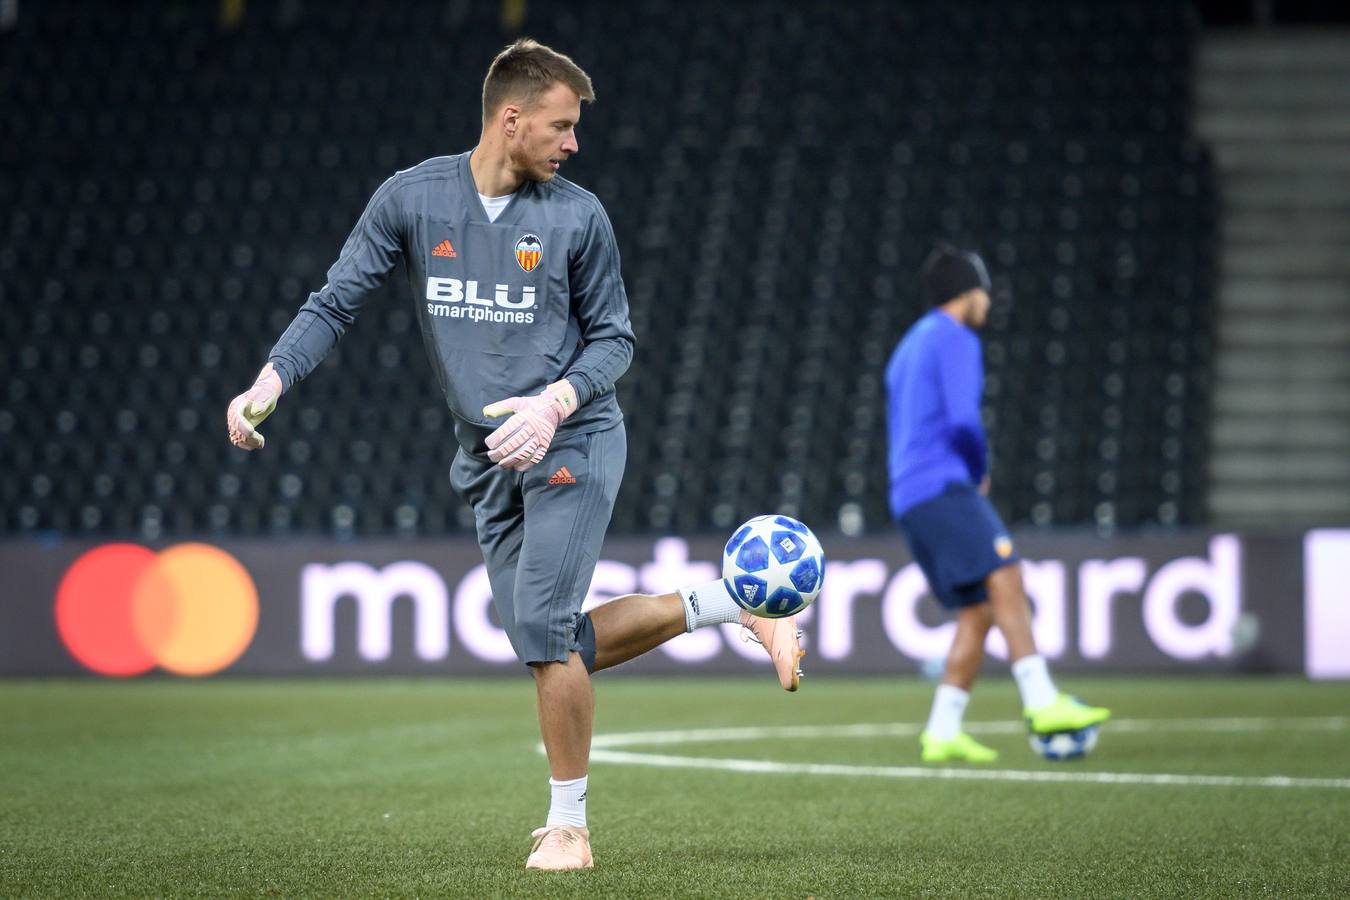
[(171, 189)]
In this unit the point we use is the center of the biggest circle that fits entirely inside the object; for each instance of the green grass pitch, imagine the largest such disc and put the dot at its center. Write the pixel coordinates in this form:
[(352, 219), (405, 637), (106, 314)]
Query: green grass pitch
[(294, 788)]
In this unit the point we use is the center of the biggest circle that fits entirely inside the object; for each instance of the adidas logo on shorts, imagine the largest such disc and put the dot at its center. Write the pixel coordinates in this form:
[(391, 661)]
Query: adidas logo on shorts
[(562, 476)]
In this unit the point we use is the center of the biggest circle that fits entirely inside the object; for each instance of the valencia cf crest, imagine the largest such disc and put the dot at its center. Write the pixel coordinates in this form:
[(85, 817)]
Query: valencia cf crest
[(529, 250)]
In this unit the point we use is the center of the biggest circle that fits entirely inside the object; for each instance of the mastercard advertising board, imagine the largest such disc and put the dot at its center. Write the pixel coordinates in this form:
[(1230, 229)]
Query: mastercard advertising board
[(1187, 602), (190, 609)]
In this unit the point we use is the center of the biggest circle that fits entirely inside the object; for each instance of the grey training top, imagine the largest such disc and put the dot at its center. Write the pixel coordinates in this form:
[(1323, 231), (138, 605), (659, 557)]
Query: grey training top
[(506, 307)]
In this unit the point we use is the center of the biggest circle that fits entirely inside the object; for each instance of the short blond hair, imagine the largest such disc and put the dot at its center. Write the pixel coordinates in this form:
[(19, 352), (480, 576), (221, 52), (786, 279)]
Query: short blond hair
[(525, 70)]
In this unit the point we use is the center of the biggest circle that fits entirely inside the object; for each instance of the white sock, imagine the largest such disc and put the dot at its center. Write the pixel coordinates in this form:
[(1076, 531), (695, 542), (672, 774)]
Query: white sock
[(568, 806), (1033, 681), (708, 604), (949, 705)]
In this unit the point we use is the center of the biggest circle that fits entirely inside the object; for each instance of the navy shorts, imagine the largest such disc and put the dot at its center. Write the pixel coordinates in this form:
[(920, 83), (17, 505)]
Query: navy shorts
[(958, 540)]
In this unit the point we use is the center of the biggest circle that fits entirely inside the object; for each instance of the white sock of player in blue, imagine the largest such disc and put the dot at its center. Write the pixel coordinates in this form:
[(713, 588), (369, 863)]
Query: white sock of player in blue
[(949, 705), (568, 806), (1033, 681), (708, 604)]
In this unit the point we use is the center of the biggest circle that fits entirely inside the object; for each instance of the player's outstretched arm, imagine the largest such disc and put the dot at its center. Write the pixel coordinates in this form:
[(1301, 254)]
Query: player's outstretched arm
[(247, 411), (370, 254), (523, 439)]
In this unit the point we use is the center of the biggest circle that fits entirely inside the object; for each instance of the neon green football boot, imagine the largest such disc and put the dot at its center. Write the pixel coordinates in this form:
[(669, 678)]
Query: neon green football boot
[(960, 748), (1065, 713)]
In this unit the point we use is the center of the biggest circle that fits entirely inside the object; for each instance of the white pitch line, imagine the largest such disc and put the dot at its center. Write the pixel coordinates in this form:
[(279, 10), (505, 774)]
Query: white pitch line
[(759, 766), (911, 729), (603, 751)]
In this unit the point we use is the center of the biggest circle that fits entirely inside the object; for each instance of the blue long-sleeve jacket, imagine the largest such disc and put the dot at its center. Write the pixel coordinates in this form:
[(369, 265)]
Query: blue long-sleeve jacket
[(933, 384)]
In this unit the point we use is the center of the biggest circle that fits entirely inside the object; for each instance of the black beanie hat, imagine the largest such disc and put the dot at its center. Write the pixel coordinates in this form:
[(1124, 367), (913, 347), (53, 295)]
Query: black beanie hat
[(949, 272)]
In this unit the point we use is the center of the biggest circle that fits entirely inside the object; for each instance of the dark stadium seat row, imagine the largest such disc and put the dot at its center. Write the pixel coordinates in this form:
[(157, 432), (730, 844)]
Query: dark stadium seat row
[(170, 192)]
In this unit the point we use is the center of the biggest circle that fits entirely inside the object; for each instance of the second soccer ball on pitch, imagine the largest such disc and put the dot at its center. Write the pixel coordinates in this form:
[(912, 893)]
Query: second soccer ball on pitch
[(773, 566), (1063, 745)]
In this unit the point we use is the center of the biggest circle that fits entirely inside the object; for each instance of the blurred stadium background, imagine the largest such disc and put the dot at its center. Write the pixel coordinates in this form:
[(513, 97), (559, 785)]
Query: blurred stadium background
[(1161, 190), (1162, 200)]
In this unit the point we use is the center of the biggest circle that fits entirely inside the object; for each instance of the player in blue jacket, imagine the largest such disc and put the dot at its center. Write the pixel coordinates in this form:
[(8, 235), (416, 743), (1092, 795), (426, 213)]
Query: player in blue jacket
[(939, 480), (515, 277)]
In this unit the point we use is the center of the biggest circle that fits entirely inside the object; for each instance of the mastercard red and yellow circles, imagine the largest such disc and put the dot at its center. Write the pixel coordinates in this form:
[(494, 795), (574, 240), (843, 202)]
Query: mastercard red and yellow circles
[(123, 609)]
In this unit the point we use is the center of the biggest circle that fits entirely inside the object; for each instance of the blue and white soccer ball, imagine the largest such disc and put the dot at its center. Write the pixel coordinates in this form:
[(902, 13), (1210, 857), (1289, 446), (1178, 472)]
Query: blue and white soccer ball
[(773, 566), (1064, 745)]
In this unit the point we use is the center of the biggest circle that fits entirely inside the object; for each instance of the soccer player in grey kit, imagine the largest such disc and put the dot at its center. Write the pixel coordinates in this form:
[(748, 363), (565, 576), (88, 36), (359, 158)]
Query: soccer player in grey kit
[(515, 274)]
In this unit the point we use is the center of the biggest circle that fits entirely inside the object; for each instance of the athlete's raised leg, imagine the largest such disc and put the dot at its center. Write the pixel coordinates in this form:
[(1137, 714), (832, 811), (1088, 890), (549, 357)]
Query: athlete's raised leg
[(631, 625)]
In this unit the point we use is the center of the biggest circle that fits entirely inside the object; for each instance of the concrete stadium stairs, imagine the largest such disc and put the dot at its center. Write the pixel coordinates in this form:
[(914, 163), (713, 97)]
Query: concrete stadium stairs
[(1275, 107)]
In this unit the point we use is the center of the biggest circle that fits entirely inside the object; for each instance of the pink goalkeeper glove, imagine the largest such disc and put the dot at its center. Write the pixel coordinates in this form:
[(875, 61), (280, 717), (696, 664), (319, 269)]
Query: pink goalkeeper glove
[(247, 411), (525, 437)]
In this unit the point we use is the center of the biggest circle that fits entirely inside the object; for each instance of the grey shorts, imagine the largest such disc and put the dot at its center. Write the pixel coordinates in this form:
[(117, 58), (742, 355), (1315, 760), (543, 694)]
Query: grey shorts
[(541, 532)]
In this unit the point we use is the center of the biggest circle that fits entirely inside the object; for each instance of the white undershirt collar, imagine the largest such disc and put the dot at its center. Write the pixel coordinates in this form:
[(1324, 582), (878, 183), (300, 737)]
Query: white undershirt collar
[(493, 206)]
